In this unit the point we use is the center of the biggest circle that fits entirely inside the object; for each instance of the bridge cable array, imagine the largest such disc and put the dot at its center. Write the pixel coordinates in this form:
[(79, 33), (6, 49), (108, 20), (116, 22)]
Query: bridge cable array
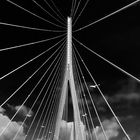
[(101, 93), (48, 98)]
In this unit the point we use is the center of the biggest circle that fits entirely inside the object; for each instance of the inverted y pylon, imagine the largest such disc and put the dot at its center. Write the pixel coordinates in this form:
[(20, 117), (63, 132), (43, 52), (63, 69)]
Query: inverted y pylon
[(69, 78)]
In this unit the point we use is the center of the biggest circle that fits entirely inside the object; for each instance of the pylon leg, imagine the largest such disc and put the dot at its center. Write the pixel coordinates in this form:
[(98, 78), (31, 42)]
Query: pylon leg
[(61, 107)]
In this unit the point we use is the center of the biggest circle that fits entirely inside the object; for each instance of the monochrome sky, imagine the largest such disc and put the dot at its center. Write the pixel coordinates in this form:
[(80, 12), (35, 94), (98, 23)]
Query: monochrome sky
[(115, 38)]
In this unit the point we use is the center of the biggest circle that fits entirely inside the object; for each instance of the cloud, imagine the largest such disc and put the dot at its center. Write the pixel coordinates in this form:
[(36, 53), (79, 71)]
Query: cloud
[(111, 129), (66, 131), (2, 110), (133, 96), (110, 125), (119, 97), (11, 130), (129, 92), (23, 110)]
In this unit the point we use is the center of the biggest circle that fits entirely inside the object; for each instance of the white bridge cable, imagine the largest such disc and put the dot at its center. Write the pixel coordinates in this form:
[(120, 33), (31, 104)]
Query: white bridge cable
[(71, 10), (50, 115), (29, 78), (81, 103), (79, 93), (57, 107), (77, 84), (62, 18), (82, 91), (73, 5), (30, 28), (48, 125), (31, 60), (84, 113), (81, 12), (48, 12), (31, 43), (35, 15), (127, 136), (109, 15), (28, 95), (40, 91), (46, 104), (109, 62), (58, 100), (57, 9), (25, 120), (49, 98), (45, 92), (77, 7), (94, 106), (43, 97)]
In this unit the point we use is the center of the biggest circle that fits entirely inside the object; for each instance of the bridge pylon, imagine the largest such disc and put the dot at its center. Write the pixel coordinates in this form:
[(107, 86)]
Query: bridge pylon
[(69, 78)]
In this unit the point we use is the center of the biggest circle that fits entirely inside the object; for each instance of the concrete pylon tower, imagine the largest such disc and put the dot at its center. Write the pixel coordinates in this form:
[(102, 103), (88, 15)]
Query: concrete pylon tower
[(69, 78)]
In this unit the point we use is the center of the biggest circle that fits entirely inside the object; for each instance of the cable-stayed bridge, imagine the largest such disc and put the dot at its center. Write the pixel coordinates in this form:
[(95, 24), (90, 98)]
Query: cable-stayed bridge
[(61, 96)]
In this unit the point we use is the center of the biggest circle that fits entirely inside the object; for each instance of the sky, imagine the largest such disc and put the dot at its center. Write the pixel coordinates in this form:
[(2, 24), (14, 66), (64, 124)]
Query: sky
[(115, 38)]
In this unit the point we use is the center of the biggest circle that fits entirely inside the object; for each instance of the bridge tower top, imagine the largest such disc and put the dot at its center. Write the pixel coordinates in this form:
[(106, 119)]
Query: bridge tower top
[(69, 42)]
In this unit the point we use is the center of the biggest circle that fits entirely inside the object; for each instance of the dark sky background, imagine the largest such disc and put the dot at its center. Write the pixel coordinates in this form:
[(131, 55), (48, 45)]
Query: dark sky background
[(115, 38)]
